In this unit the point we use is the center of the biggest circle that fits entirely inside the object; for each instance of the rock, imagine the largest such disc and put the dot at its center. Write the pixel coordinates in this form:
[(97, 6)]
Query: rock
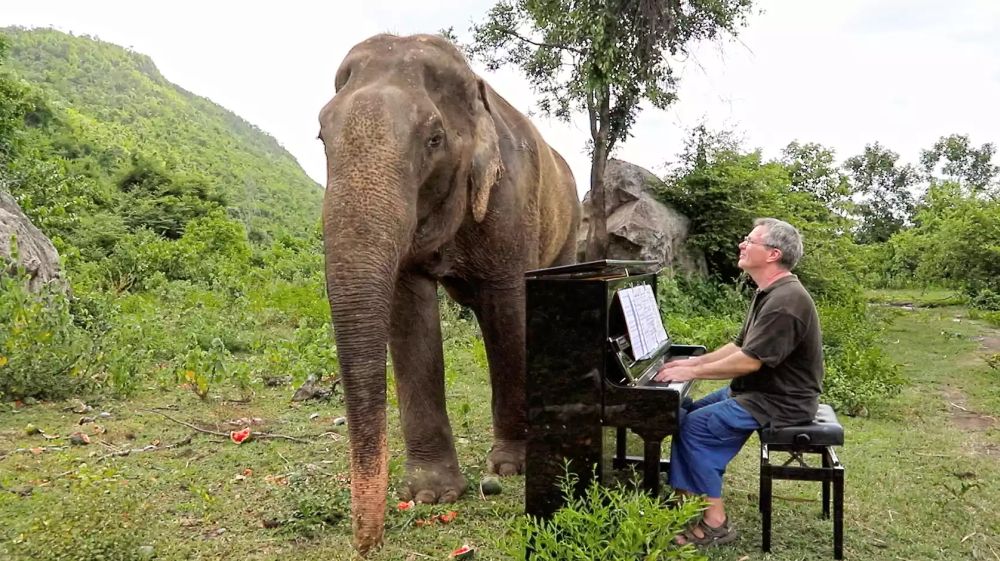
[(146, 552), (22, 490), (78, 406), (312, 390), (79, 439), (104, 415), (29, 400), (339, 421), (275, 381), (490, 485), (639, 226), (35, 252)]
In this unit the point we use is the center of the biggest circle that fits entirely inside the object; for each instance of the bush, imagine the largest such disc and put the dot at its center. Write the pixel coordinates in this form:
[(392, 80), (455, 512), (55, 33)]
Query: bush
[(604, 524), (40, 347), (858, 373)]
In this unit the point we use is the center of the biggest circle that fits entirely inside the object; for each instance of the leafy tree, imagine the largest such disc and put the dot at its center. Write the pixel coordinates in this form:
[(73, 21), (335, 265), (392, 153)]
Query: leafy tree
[(883, 187), (719, 187), (812, 168), (604, 57), (960, 161)]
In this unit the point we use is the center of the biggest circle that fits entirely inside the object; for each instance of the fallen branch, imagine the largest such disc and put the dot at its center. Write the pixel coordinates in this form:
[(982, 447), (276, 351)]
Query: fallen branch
[(150, 448), (225, 434)]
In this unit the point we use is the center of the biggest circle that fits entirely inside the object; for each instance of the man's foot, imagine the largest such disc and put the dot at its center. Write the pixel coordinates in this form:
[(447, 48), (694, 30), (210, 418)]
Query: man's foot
[(702, 535)]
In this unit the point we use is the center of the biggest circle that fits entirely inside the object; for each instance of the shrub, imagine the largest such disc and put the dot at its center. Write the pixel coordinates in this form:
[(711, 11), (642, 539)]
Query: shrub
[(604, 523), (40, 347), (858, 373)]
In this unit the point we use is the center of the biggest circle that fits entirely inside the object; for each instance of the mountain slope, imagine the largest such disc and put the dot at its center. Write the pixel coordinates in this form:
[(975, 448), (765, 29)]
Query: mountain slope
[(109, 107)]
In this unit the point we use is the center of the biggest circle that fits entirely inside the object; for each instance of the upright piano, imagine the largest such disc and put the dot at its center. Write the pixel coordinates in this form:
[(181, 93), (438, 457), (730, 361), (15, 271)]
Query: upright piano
[(585, 385)]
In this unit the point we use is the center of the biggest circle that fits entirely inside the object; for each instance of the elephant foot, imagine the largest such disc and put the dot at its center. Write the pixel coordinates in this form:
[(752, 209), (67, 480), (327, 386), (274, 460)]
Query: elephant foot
[(506, 457), (433, 484)]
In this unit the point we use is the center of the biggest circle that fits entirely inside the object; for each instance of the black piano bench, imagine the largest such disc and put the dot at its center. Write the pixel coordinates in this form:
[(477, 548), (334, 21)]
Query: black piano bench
[(818, 437)]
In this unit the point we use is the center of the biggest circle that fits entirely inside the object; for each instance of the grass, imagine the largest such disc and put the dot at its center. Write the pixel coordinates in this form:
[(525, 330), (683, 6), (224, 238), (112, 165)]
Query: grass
[(927, 297), (921, 473)]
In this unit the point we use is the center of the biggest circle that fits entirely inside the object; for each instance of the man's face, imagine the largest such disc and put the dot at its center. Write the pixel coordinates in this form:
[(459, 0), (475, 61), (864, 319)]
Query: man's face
[(754, 252)]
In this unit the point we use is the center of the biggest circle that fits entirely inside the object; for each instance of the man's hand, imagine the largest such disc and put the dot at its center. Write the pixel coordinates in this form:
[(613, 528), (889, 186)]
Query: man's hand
[(677, 371)]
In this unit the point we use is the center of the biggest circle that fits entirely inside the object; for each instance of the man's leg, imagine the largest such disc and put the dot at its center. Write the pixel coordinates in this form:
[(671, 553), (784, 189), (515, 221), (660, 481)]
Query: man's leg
[(710, 437), (677, 461)]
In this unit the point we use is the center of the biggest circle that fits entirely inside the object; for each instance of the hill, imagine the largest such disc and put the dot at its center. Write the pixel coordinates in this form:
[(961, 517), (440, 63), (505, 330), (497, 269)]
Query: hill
[(110, 116)]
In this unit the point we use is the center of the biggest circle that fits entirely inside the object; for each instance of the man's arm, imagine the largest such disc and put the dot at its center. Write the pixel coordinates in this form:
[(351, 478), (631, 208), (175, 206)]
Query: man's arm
[(733, 364), (716, 355)]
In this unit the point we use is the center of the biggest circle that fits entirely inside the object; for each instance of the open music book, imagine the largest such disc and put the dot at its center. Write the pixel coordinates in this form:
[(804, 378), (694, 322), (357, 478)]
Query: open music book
[(642, 319)]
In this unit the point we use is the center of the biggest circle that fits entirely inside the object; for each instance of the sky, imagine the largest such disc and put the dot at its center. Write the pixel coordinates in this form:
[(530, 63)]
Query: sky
[(842, 73)]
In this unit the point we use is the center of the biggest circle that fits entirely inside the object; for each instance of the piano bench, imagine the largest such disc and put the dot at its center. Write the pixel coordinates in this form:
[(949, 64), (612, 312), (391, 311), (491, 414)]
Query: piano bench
[(818, 437)]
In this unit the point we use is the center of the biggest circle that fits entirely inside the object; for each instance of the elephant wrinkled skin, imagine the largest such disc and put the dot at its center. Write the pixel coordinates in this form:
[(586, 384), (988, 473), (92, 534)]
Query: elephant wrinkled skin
[(432, 177)]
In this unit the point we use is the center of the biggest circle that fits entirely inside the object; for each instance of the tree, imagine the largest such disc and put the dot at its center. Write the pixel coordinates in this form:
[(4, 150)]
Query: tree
[(602, 56), (971, 167), (812, 168), (882, 186)]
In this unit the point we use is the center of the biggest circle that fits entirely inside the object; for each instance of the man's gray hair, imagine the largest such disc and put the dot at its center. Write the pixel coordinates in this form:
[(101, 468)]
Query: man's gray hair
[(783, 236)]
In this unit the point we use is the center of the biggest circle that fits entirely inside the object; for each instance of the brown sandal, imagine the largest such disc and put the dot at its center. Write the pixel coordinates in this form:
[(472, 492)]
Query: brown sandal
[(720, 535)]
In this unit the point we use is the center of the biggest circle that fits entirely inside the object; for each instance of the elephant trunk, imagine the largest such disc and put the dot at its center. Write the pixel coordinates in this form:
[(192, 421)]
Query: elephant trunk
[(363, 247)]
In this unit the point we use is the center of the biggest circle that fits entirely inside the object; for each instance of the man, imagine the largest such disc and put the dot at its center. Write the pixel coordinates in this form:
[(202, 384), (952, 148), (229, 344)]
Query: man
[(776, 367)]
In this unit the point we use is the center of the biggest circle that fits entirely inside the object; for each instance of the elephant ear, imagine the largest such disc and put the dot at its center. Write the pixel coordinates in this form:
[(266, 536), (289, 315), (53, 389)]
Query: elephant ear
[(486, 168)]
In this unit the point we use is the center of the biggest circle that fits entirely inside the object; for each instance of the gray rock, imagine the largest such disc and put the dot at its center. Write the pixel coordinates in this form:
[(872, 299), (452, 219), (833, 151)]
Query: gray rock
[(640, 226), (35, 252)]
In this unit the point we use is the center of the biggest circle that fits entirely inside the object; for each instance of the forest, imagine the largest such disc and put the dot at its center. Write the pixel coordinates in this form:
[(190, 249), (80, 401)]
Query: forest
[(191, 243)]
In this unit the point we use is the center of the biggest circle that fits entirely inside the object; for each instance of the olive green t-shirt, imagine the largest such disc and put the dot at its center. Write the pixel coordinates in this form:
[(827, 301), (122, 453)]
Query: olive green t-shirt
[(782, 331)]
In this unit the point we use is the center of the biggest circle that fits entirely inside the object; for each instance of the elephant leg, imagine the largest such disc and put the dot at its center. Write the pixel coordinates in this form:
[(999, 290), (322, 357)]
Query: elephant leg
[(500, 311), (418, 363)]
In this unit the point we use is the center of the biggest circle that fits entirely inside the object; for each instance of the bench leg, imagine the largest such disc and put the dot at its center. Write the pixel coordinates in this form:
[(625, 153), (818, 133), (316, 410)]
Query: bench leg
[(838, 515), (765, 500), (826, 487)]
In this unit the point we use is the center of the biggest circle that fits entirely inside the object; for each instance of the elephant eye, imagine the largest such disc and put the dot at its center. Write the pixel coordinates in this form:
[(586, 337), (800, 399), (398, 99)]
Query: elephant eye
[(435, 140)]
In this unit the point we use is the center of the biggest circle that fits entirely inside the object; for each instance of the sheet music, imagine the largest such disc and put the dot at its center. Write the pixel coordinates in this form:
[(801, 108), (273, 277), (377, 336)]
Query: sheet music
[(642, 318)]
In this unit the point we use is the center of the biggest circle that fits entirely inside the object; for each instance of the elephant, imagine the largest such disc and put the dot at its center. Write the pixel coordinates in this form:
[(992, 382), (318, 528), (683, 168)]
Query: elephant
[(432, 179)]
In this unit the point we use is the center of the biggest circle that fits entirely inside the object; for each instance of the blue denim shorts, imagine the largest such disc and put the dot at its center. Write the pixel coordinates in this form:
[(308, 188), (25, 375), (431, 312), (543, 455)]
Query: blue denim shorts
[(712, 431)]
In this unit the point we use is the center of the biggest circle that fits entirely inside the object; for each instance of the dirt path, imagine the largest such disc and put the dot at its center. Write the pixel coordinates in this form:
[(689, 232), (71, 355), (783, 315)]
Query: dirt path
[(967, 419)]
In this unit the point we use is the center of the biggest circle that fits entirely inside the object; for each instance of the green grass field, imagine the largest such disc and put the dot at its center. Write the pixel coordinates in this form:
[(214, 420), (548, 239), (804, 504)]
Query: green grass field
[(922, 472)]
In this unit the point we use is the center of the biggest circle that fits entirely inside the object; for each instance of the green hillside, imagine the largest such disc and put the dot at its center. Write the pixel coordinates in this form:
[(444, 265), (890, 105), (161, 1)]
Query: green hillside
[(109, 114)]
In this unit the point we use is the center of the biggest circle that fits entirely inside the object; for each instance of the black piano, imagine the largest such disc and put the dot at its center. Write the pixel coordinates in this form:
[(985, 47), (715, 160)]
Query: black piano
[(585, 386)]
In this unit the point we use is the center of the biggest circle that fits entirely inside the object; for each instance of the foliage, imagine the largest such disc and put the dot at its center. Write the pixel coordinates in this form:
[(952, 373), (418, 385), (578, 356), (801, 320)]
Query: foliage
[(859, 376), (971, 167), (883, 186), (956, 241), (702, 312), (604, 58), (153, 153), (40, 348), (812, 169), (719, 188), (604, 523)]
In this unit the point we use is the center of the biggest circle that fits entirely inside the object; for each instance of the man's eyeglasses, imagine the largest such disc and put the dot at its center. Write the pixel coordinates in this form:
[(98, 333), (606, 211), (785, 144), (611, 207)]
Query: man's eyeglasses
[(749, 241)]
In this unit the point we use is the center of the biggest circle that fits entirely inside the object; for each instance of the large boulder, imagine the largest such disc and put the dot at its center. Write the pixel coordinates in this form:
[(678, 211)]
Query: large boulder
[(640, 226), (34, 251)]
